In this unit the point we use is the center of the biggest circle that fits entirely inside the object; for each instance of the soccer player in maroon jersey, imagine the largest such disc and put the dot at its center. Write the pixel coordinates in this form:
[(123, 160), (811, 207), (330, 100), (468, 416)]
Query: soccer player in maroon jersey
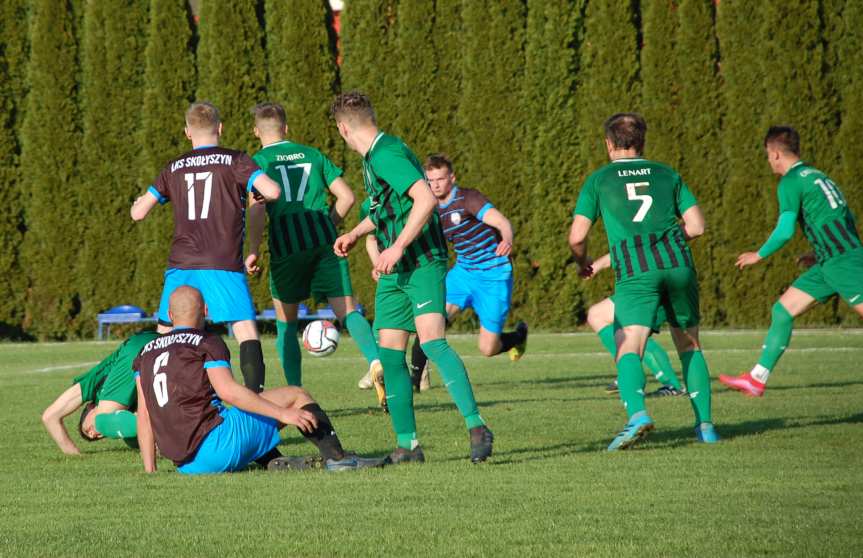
[(183, 378), (208, 187)]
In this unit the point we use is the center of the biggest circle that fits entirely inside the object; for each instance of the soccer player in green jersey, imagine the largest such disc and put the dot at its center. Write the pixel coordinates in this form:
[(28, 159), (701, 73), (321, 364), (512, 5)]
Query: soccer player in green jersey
[(301, 234), (109, 391), (410, 292), (810, 197), (641, 202)]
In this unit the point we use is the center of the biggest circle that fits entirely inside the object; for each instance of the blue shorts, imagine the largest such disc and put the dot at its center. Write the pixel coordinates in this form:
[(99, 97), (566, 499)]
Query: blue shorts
[(226, 293), (489, 298), (239, 440)]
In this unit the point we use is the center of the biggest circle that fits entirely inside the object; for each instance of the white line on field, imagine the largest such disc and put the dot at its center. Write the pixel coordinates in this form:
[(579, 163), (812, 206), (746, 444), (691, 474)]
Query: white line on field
[(63, 367)]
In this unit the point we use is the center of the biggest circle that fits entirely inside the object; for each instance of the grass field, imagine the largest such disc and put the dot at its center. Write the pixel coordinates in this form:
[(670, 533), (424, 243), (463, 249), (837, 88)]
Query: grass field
[(787, 479)]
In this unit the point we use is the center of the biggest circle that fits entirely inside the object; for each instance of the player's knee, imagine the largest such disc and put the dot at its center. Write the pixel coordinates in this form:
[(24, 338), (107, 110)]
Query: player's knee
[(596, 318), (488, 347), (781, 315), (301, 396)]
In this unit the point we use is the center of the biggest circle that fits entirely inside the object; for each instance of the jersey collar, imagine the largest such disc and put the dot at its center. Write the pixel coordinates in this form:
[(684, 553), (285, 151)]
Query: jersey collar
[(629, 159), (797, 164), (205, 146), (374, 143), (276, 143), (452, 195)]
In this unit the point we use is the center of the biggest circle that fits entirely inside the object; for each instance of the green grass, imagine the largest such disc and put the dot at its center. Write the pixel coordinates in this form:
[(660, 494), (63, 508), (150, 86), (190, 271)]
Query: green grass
[(786, 480)]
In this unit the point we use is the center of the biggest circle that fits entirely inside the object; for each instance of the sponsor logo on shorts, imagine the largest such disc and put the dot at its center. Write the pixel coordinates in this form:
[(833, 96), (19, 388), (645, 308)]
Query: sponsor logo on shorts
[(424, 304), (853, 299)]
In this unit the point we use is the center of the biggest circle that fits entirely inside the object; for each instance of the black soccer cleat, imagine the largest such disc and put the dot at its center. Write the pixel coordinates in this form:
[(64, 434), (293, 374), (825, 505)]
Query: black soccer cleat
[(667, 391), (402, 455), (612, 388), (481, 442), (352, 462), (287, 463)]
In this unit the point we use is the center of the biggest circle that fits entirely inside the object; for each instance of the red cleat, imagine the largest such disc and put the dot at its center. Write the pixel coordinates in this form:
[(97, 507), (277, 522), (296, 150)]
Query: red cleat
[(744, 383)]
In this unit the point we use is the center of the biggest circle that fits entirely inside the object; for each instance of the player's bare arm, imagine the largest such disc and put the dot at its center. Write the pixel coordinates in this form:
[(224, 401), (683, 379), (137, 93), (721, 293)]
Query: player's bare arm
[(146, 440), (694, 224), (347, 241), (243, 398), (256, 220), (599, 264), (345, 200), (143, 205), (268, 189), (68, 402), (497, 220), (578, 241), (374, 252), (424, 204)]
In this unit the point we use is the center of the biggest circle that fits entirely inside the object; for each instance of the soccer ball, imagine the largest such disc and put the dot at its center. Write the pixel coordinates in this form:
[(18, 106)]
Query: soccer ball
[(320, 338)]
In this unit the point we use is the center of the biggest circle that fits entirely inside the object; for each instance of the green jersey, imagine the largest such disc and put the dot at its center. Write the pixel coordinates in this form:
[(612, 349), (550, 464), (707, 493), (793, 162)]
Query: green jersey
[(389, 170), (821, 210), (640, 202), (113, 378), (299, 220)]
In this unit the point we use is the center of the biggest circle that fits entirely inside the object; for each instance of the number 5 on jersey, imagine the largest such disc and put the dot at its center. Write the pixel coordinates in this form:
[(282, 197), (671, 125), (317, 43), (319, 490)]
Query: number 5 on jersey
[(645, 199)]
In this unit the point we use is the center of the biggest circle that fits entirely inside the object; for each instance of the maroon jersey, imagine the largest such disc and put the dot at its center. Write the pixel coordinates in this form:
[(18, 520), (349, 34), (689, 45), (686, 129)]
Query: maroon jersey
[(182, 404), (208, 188), (474, 242)]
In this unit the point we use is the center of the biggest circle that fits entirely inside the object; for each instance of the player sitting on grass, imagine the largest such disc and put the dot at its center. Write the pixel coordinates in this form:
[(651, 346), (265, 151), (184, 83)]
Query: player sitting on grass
[(810, 197), (482, 275), (108, 389), (410, 293), (600, 317), (183, 378), (208, 187), (301, 235), (640, 202)]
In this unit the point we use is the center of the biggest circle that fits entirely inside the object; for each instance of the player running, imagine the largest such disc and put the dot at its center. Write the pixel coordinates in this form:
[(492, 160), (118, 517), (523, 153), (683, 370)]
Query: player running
[(108, 389), (482, 275), (410, 292), (209, 187), (809, 196), (600, 317), (184, 377), (301, 234), (640, 202)]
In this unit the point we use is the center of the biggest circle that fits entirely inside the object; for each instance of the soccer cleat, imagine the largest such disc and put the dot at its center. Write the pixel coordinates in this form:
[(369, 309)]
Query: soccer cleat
[(744, 383), (636, 429), (366, 381), (425, 379), (518, 351), (352, 462), (481, 442), (402, 455), (706, 434), (286, 463), (612, 388), (667, 391), (377, 372)]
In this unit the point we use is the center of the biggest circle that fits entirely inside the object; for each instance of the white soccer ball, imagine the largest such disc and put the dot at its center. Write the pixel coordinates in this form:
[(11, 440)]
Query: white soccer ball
[(320, 338)]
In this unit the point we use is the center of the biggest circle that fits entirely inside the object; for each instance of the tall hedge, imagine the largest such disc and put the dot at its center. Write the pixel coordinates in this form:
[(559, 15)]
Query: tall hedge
[(169, 84), (231, 66), (414, 117), (660, 91), (551, 166), (13, 88), (113, 49), (50, 140), (445, 131)]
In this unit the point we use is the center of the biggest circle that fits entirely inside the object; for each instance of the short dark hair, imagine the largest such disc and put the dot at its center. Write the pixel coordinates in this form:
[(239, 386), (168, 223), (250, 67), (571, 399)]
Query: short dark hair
[(437, 161), (272, 113), (88, 408), (785, 138), (626, 130), (353, 105)]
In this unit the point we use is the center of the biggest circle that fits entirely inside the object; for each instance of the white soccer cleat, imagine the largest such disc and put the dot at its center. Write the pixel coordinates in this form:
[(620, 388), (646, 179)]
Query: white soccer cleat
[(367, 382), (425, 380)]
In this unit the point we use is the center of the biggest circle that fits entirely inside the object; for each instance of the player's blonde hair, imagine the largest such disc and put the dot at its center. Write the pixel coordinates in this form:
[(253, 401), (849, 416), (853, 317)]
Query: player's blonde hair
[(203, 116), (353, 107), (270, 117)]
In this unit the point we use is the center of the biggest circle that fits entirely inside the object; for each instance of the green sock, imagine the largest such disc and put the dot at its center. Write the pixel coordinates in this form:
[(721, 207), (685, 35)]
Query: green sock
[(778, 337), (697, 379), (606, 335), (361, 331), (400, 397), (659, 364), (455, 379), (630, 382), (119, 424), (288, 347)]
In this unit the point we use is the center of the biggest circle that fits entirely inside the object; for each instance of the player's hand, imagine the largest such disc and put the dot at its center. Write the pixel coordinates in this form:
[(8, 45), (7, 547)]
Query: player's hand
[(344, 244), (807, 260), (252, 266), (303, 420), (585, 270), (388, 259), (504, 248), (746, 259), (376, 275)]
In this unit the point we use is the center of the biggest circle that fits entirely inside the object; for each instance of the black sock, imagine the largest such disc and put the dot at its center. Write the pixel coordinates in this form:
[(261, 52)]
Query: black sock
[(252, 365), (418, 361), (267, 457), (510, 339), (324, 436)]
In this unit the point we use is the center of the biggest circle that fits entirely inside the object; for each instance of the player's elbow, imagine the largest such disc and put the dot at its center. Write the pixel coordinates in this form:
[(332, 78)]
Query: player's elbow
[(696, 229), (48, 417)]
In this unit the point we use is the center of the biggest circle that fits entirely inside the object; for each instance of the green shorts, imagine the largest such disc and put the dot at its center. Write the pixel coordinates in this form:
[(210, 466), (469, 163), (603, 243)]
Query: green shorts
[(659, 319), (401, 297), (104, 382), (639, 299), (317, 272), (842, 275)]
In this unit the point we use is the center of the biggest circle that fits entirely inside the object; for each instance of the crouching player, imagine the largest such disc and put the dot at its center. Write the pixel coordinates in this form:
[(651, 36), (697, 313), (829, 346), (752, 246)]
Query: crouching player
[(182, 379), (108, 389)]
